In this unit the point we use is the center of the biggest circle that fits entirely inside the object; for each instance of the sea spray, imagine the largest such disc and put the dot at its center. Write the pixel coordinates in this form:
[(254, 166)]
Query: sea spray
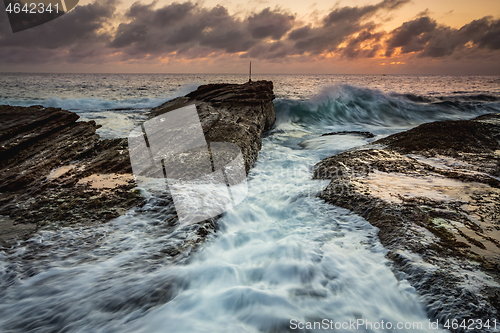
[(346, 105)]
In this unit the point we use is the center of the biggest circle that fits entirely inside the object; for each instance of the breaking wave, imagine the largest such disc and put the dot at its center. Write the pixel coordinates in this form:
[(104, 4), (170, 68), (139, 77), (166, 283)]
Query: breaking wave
[(102, 104), (347, 104), (90, 103)]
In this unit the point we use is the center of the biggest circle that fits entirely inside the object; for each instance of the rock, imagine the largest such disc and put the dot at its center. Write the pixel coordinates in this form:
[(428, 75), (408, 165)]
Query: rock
[(237, 113), (434, 193), (57, 171), (228, 113), (44, 154)]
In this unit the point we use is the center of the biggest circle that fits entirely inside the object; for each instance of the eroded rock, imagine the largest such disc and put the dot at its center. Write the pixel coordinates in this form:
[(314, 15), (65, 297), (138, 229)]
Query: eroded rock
[(56, 171), (237, 113), (45, 153)]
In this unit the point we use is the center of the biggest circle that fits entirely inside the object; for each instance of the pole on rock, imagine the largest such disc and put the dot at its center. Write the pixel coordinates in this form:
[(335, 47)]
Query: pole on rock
[(250, 74)]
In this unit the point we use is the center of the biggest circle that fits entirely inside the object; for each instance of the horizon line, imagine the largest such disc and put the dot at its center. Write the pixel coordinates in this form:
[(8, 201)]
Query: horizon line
[(246, 74)]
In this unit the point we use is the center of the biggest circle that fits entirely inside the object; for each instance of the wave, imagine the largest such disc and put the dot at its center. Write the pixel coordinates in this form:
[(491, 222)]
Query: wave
[(457, 96), (98, 104), (460, 96), (88, 104), (346, 104)]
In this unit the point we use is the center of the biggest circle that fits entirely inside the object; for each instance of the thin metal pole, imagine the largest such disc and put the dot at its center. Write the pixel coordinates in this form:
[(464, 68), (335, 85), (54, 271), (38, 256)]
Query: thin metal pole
[(250, 73)]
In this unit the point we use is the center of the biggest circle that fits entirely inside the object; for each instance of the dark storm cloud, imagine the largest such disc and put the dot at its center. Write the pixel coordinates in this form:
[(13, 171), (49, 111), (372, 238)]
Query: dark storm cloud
[(188, 30), (429, 39), (270, 24), (183, 27), (338, 26), (145, 19), (78, 26), (411, 36), (443, 42), (355, 14), (300, 33), (74, 37), (484, 32)]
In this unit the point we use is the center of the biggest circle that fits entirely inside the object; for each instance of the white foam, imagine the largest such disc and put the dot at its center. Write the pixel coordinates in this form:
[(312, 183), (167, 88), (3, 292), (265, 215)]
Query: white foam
[(90, 104)]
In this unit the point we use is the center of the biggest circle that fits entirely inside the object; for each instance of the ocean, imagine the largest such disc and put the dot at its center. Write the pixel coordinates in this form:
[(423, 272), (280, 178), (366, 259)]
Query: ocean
[(117, 101), (281, 258)]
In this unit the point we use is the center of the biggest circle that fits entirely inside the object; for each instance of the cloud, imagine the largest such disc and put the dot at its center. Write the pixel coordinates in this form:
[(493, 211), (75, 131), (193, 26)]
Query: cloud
[(188, 29), (183, 28), (338, 26), (76, 36), (300, 33), (411, 36), (356, 14), (354, 48), (82, 25), (484, 32), (146, 33), (270, 24), (430, 39)]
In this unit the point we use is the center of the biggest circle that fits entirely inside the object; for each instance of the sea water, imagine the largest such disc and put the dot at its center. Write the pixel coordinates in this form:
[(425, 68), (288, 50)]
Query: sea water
[(280, 261)]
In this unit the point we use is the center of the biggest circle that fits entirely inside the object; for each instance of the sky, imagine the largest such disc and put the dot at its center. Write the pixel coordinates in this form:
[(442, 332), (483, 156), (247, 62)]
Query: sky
[(277, 36)]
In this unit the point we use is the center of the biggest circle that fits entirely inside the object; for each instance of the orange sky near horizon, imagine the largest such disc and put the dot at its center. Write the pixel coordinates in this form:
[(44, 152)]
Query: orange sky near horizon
[(454, 13)]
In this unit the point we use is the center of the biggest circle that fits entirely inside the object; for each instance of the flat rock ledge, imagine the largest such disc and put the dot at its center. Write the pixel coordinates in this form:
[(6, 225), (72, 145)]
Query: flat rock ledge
[(55, 171), (434, 194)]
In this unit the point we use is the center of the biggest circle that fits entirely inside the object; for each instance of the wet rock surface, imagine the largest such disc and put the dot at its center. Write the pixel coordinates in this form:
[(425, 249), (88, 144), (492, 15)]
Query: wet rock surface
[(237, 113), (45, 154), (434, 193), (56, 171)]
